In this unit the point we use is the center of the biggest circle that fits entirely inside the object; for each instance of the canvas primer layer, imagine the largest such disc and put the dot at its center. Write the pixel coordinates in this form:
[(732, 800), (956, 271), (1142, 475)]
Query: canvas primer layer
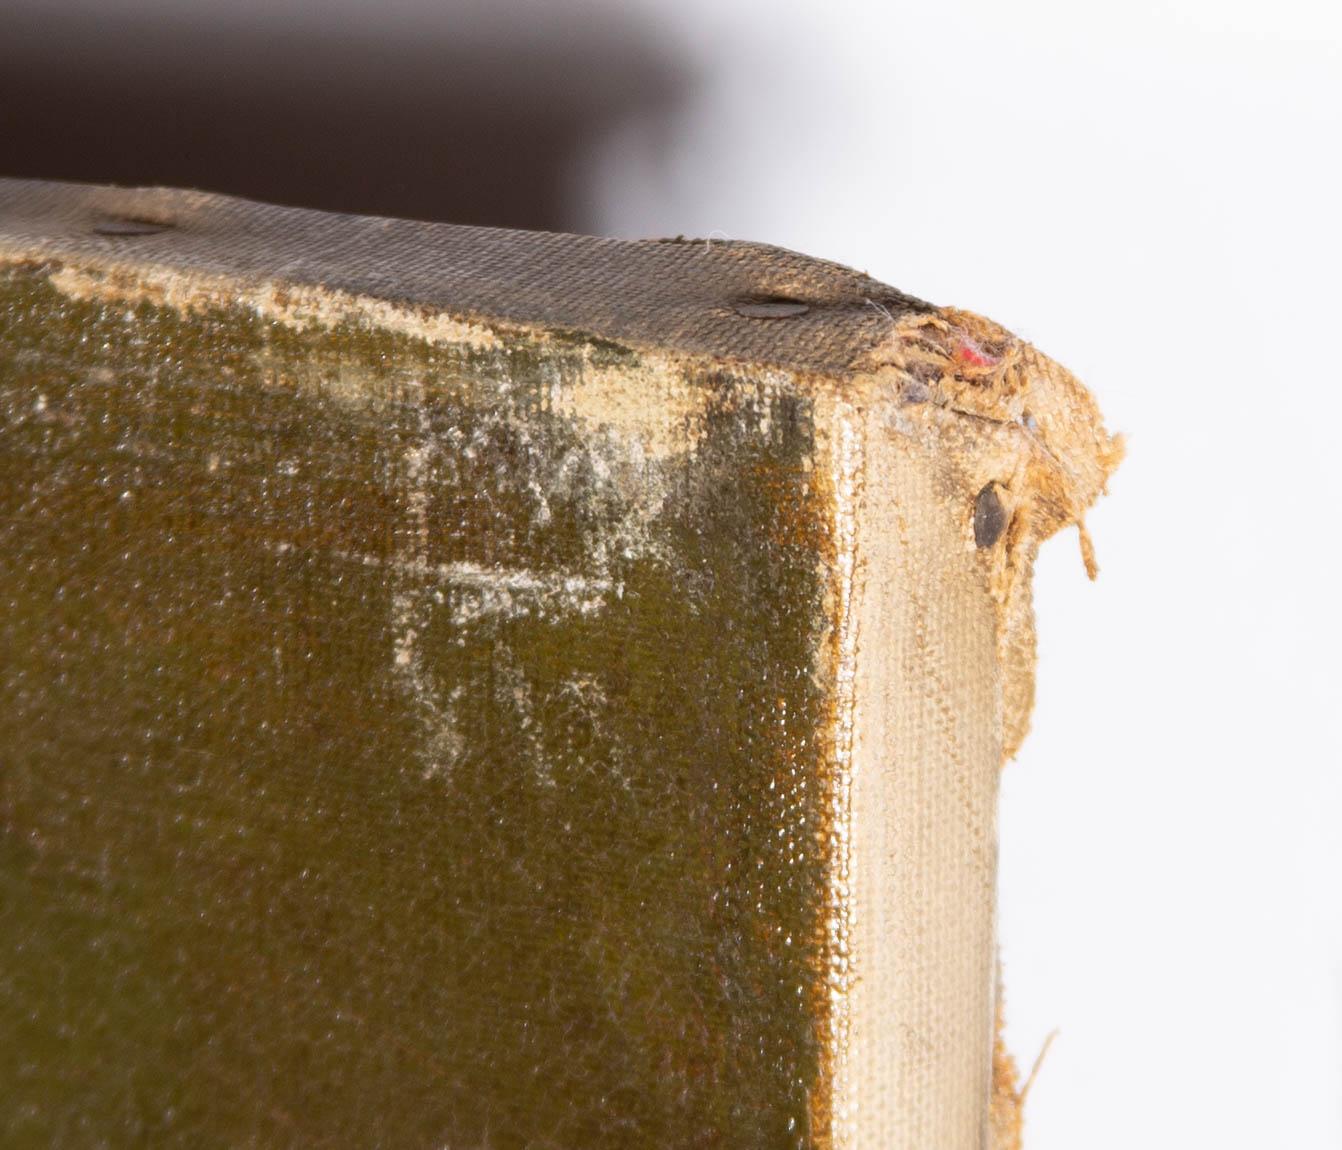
[(428, 727)]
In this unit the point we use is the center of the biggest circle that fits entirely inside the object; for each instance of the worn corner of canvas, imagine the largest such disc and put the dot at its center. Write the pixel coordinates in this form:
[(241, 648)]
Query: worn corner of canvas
[(1029, 452), (1006, 1104)]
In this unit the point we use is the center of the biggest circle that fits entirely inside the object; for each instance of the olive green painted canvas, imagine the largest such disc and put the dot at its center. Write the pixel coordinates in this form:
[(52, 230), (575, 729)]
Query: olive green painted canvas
[(427, 704)]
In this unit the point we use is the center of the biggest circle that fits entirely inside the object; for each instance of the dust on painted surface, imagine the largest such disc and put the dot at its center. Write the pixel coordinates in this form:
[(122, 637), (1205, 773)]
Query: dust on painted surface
[(398, 753)]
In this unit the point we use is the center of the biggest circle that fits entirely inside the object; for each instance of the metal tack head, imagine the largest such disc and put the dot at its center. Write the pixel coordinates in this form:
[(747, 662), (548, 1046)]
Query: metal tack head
[(125, 226), (990, 517), (771, 308)]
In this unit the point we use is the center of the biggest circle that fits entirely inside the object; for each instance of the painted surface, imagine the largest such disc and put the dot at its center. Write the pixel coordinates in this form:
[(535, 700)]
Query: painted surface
[(393, 752)]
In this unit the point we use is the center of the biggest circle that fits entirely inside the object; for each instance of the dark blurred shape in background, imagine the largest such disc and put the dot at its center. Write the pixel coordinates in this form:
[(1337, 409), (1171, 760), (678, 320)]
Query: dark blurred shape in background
[(479, 115)]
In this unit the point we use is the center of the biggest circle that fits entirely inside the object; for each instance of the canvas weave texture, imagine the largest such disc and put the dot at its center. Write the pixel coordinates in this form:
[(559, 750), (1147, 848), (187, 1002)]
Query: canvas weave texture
[(468, 688)]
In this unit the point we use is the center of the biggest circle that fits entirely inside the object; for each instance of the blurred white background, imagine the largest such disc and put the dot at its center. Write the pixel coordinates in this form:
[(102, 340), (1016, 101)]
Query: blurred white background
[(1150, 191)]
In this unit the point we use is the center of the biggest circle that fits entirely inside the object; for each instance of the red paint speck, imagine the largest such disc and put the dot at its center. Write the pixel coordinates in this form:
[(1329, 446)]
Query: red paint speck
[(967, 351)]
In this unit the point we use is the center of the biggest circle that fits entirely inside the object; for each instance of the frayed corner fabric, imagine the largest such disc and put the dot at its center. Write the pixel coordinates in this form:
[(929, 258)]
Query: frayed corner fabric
[(468, 687)]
